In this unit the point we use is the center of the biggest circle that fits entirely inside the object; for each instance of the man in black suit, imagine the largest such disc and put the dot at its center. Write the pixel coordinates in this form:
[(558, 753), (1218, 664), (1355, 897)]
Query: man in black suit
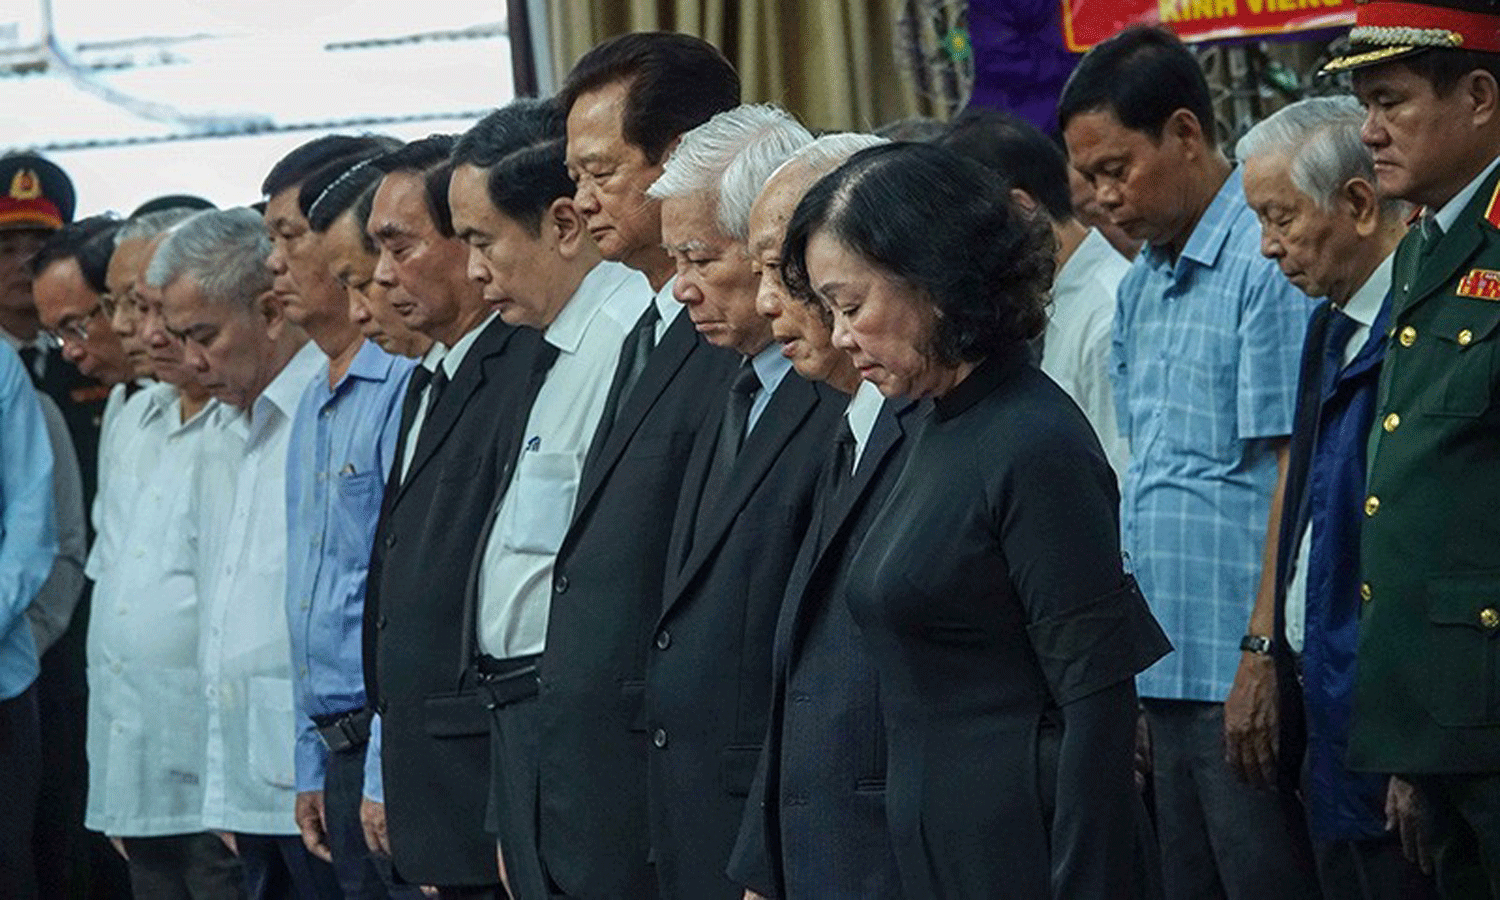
[(429, 756), (746, 503), (607, 576), (814, 823)]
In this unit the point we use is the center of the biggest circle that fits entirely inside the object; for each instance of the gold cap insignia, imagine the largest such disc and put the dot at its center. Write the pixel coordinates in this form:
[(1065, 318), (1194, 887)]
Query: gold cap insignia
[(25, 185)]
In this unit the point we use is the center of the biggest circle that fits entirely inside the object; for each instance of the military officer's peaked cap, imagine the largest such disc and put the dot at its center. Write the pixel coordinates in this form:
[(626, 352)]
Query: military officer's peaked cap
[(34, 193), (1386, 29)]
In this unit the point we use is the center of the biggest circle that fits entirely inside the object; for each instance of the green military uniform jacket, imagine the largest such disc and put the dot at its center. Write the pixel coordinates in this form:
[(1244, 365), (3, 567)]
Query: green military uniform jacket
[(1427, 693)]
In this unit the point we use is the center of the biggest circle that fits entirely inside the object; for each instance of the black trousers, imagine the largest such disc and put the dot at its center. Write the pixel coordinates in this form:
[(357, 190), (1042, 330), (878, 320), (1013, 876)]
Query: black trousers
[(1220, 838), (184, 867), (1465, 815), (278, 867), (20, 777), (509, 690), (361, 875)]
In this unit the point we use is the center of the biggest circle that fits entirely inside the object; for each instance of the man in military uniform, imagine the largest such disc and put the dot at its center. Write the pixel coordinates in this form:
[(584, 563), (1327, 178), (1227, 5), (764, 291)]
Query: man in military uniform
[(1427, 693)]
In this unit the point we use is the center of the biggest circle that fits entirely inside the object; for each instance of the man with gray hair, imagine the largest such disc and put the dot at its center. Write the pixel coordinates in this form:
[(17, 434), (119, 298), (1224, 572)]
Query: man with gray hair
[(1311, 182), (150, 562), (746, 502), (217, 299), (814, 823)]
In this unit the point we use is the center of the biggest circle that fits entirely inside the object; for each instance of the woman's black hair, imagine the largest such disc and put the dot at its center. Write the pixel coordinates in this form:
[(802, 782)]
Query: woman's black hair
[(947, 227)]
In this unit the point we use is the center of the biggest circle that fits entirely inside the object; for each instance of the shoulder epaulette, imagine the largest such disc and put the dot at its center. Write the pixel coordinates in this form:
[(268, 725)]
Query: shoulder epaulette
[(1492, 211)]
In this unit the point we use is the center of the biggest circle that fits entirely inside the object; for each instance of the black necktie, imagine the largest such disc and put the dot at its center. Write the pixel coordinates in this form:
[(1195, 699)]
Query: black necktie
[(635, 351), (435, 390), (731, 429), (843, 456), (420, 376)]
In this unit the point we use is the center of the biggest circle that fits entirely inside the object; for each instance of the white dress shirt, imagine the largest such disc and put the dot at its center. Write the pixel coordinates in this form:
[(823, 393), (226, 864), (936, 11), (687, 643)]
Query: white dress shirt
[(145, 718), (667, 308), (863, 410), (515, 574), (128, 440), (1363, 307), (771, 367), (250, 729), (1076, 348)]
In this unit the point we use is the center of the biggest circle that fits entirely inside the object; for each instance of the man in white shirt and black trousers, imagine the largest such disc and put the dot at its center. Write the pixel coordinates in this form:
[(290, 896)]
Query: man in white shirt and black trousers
[(541, 269)]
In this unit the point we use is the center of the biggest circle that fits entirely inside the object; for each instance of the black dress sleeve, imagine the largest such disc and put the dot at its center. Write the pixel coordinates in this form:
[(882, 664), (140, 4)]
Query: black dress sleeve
[(1058, 529)]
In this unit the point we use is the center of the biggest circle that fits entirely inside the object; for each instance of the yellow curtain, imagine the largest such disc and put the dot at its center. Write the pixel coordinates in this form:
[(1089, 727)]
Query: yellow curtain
[(832, 63)]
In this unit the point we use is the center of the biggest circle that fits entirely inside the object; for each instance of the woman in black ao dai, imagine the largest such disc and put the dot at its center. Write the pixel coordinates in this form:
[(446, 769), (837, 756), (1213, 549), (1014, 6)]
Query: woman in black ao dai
[(989, 588)]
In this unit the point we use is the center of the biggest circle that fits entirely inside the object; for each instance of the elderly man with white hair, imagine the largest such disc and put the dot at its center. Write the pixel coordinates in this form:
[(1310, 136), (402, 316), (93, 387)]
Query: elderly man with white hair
[(746, 502), (217, 300), (815, 823), (1312, 184)]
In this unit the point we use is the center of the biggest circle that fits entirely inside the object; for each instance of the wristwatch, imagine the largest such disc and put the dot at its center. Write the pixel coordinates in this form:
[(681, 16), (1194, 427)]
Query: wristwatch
[(1256, 643)]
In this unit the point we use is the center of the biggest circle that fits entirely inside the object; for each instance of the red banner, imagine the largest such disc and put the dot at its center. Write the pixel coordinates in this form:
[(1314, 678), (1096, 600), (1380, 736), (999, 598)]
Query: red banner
[(1087, 22)]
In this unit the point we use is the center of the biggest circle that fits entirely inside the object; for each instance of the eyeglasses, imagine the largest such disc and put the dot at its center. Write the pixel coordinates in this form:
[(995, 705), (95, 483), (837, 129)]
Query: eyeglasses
[(75, 328)]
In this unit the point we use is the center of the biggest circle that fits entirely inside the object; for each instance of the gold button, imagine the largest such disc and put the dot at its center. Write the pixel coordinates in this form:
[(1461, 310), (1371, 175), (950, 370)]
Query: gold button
[(1392, 422), (1372, 505), (1465, 338), (1489, 618), (1364, 592), (1408, 336)]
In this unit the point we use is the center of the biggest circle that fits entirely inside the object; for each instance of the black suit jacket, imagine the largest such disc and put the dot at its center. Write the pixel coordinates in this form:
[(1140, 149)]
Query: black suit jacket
[(814, 822), (709, 675), (606, 596), (435, 735)]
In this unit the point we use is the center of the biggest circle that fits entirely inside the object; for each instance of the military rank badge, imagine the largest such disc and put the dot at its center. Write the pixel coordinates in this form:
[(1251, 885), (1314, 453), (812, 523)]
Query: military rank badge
[(1483, 284)]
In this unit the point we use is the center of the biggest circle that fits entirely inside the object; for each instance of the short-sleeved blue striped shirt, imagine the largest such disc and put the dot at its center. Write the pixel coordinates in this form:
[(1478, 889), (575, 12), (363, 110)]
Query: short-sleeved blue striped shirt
[(1205, 354)]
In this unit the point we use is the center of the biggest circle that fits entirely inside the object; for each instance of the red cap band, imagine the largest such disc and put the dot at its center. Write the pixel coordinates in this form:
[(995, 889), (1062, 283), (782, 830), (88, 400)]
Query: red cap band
[(1478, 30)]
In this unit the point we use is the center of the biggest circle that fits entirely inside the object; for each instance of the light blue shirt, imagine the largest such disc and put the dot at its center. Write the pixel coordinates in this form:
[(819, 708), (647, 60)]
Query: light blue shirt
[(28, 529), (770, 367), (342, 446), (1205, 354)]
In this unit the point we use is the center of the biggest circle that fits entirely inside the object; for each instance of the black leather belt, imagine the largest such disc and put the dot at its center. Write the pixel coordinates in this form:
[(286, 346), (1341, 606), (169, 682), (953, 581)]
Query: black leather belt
[(506, 681), (344, 731)]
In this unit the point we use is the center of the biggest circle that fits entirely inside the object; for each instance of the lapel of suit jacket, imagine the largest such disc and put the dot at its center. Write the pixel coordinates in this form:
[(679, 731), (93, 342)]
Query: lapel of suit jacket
[(470, 377), (885, 437), (677, 345), (1456, 246), (790, 405)]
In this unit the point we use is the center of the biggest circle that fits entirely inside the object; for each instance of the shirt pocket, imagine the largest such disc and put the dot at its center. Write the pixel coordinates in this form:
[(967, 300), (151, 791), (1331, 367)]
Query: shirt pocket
[(356, 508), (540, 504), (273, 728)]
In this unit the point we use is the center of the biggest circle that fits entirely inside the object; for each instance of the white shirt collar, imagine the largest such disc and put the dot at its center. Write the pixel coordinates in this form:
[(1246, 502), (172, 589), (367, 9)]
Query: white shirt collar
[(1364, 304), (1074, 275), (1448, 215), (454, 357), (770, 367), (666, 306), (600, 291), (862, 413), (285, 390), (433, 357)]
